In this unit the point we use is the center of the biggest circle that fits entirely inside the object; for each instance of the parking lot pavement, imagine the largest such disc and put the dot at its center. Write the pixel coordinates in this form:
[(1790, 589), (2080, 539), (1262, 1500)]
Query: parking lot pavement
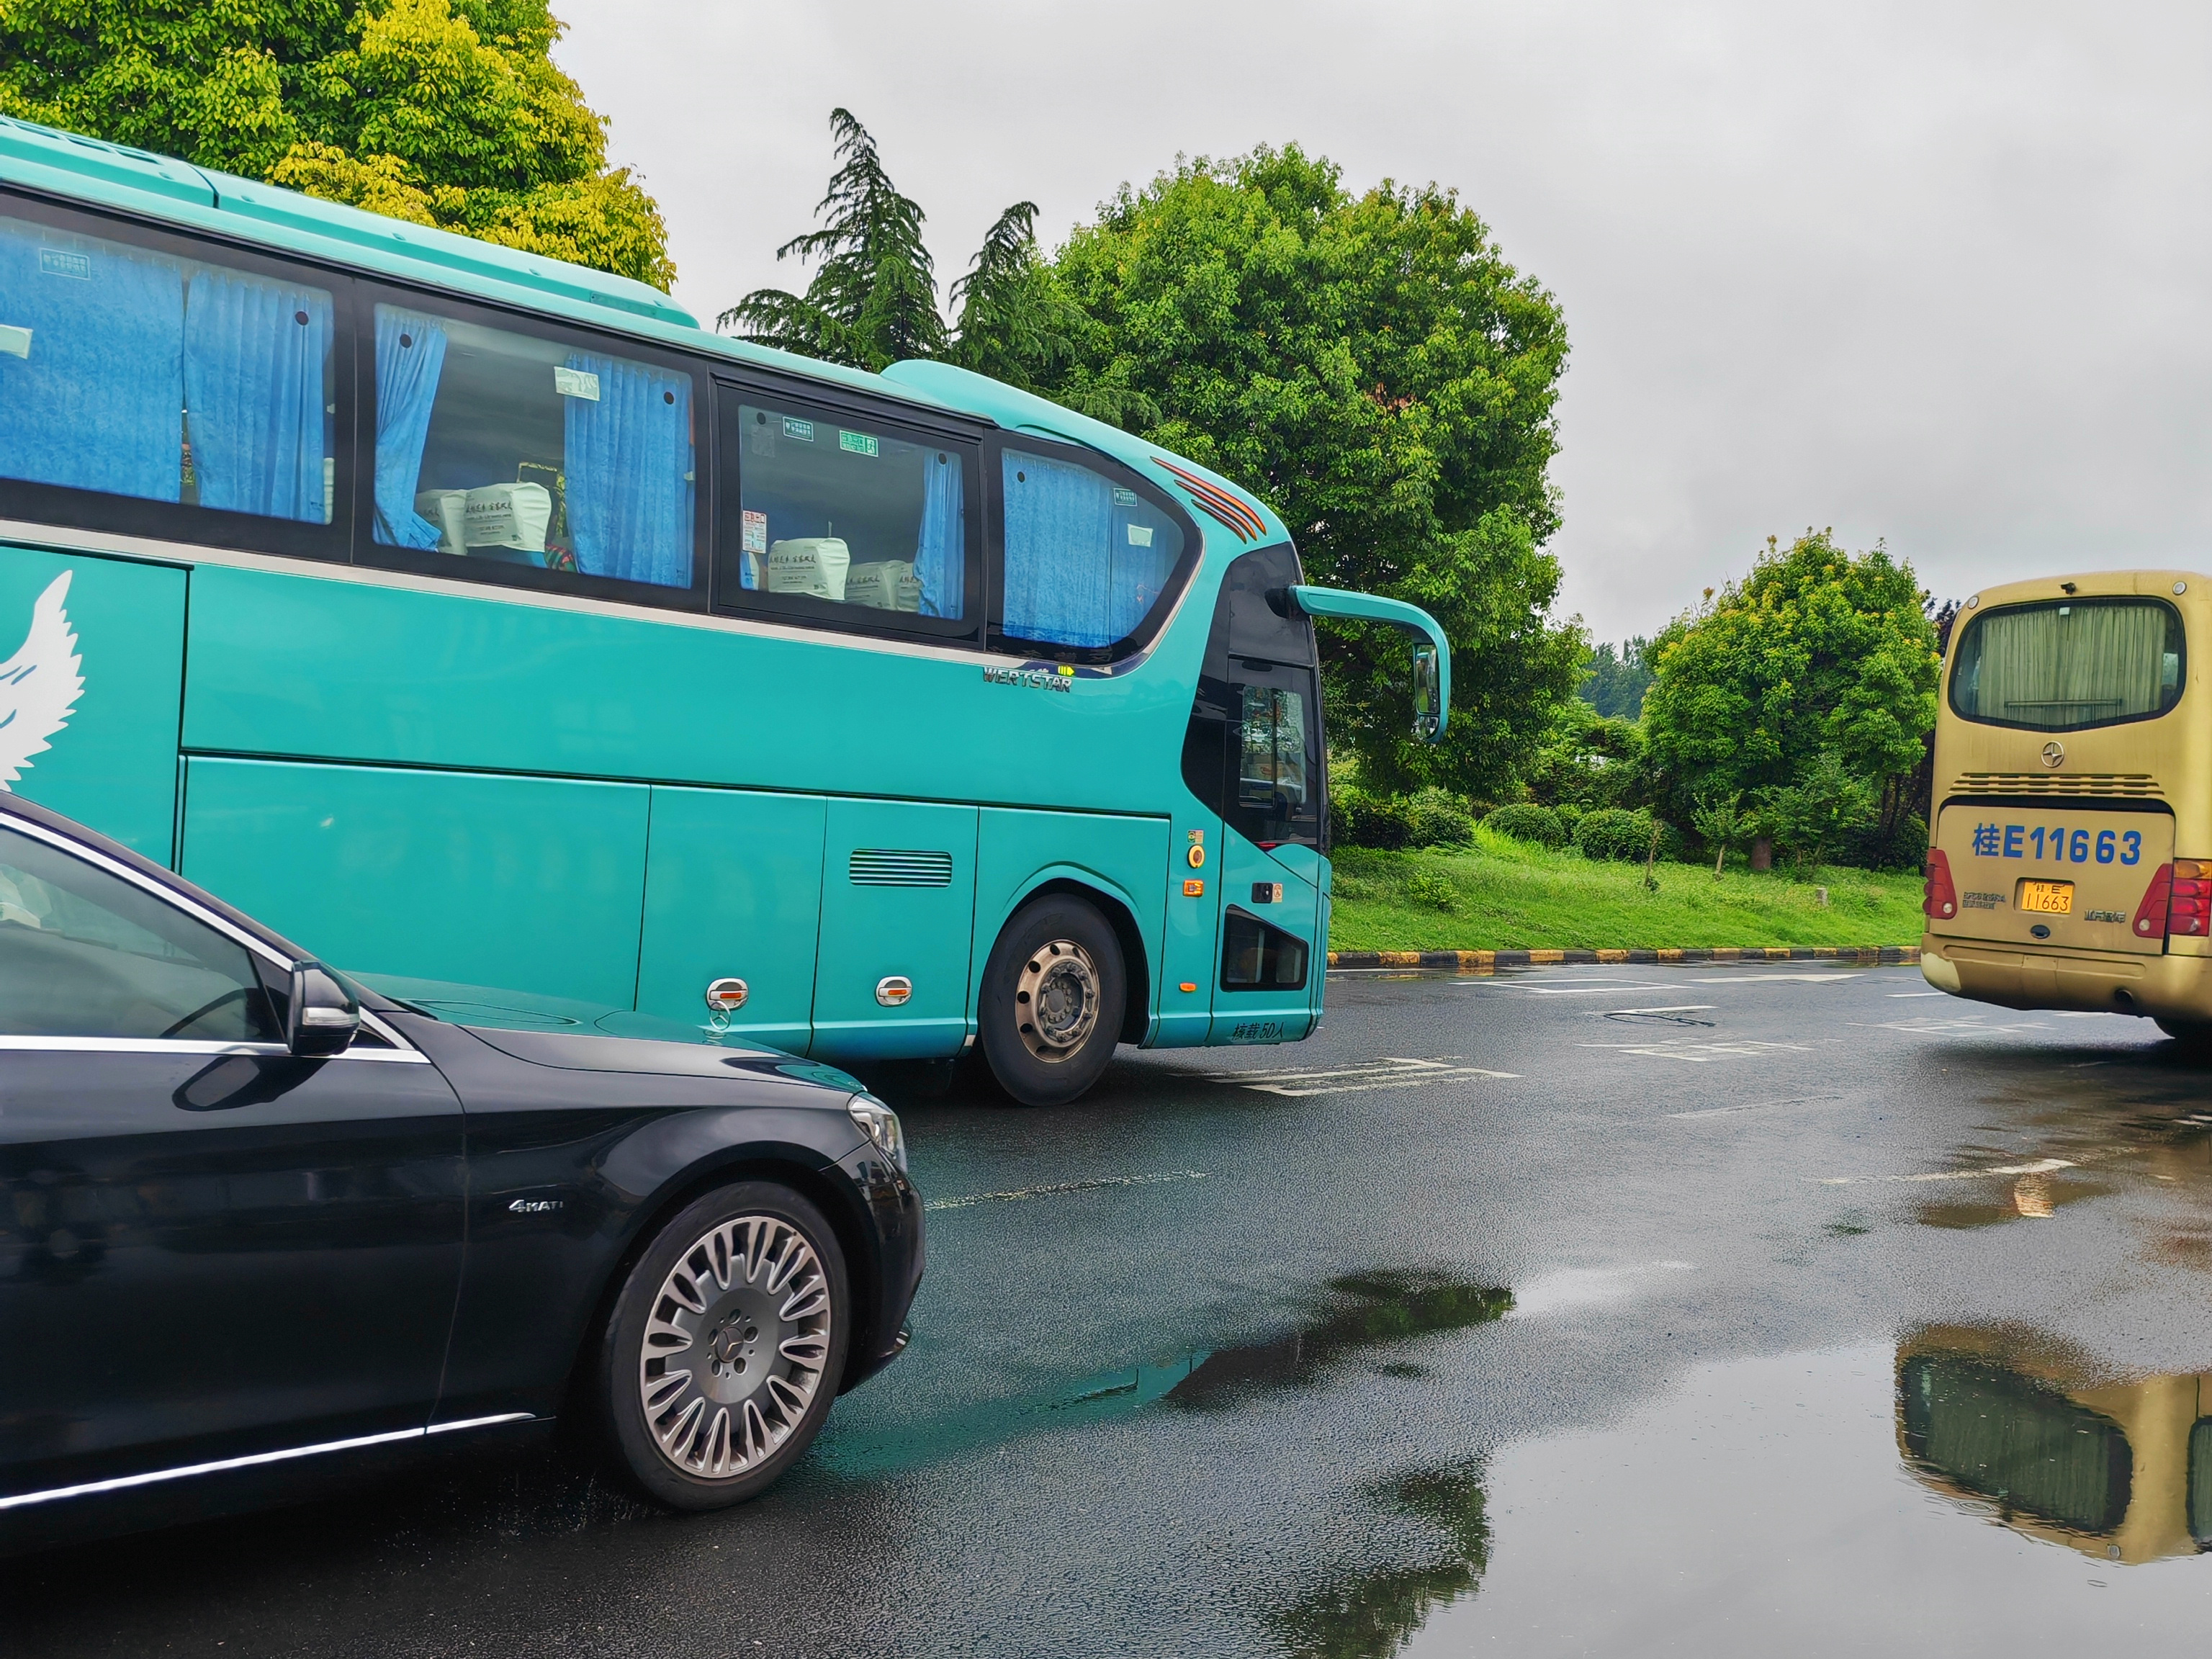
[(1727, 1309)]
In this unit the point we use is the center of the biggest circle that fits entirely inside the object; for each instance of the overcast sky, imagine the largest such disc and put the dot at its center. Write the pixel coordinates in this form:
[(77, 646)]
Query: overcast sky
[(1932, 274)]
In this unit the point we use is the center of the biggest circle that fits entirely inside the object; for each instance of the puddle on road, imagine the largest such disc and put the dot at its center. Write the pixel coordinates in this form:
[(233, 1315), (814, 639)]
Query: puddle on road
[(1966, 1489), (1352, 1314)]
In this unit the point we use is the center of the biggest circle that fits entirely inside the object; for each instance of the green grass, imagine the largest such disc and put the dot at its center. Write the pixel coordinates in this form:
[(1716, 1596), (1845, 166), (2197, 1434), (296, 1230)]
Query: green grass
[(1502, 894)]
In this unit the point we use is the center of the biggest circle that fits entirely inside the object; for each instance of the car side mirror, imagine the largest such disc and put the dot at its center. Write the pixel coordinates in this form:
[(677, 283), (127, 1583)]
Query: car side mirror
[(323, 1019), (1428, 694)]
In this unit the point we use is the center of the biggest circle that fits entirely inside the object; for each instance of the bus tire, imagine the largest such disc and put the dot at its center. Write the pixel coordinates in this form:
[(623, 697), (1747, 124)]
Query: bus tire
[(725, 1347), (2193, 1036), (1053, 992)]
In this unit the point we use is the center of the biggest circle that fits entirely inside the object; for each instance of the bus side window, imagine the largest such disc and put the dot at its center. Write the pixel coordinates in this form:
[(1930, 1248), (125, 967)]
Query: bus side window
[(1085, 561), (519, 450), (855, 515), (134, 373)]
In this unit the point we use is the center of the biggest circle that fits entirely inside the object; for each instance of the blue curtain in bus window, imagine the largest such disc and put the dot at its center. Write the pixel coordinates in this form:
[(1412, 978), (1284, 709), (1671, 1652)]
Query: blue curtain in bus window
[(1059, 522), (410, 353), (255, 353), (91, 364), (940, 552), (1146, 546), (627, 458)]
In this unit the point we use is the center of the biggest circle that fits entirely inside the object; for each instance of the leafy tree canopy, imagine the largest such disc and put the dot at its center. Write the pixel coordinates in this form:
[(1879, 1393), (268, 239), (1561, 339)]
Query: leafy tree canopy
[(1615, 680), (446, 113), (1372, 366), (873, 297), (1818, 651)]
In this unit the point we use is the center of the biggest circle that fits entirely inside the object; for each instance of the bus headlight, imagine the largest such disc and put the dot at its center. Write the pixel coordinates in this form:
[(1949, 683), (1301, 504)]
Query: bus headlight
[(881, 1125)]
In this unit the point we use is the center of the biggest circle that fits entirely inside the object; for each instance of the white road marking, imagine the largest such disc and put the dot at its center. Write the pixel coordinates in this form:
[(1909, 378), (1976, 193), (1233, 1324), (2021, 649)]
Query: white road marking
[(1958, 1025), (1744, 1047), (1777, 979), (2040, 1166), (1678, 1008), (1574, 987), (1894, 995), (1757, 1106), (1389, 1073), (1052, 1187)]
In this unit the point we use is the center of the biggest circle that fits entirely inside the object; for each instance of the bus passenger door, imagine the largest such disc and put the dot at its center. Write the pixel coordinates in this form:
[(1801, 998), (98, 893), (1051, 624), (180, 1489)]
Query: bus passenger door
[(734, 890), (1271, 945), (898, 911)]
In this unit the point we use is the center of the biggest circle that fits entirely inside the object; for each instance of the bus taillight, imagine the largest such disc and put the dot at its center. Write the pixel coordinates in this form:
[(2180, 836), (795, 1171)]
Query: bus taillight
[(2150, 915), (2189, 909), (1940, 898)]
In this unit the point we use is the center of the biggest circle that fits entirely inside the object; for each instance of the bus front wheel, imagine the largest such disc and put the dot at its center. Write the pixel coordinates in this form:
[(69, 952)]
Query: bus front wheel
[(1053, 991)]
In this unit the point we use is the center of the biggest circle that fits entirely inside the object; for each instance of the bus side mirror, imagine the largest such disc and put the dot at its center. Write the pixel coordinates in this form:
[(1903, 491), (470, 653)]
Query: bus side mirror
[(1428, 697), (322, 1019)]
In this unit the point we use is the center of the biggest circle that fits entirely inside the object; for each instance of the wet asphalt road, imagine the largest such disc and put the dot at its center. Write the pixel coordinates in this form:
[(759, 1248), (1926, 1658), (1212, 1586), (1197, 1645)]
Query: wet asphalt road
[(1567, 1311)]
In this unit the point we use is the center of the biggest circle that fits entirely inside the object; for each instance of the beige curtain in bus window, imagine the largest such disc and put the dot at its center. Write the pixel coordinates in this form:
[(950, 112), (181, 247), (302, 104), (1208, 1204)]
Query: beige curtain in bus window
[(2069, 665)]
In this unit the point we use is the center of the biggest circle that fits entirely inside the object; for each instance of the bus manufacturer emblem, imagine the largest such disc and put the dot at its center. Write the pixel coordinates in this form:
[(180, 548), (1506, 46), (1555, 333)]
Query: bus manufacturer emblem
[(2054, 756)]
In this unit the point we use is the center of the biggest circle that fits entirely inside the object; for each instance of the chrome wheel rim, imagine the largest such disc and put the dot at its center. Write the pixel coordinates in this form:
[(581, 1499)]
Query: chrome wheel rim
[(1056, 1000), (735, 1347)]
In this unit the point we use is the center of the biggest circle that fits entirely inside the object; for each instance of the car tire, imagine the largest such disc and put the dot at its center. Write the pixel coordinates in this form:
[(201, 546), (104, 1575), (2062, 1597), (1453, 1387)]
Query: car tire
[(725, 1347), (1053, 992)]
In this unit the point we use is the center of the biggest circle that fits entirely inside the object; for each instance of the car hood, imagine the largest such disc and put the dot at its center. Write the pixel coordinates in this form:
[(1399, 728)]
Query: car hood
[(587, 1037)]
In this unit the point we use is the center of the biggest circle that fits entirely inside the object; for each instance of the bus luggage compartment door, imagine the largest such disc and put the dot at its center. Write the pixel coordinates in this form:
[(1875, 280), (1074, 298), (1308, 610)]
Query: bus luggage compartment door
[(734, 890), (2052, 875), (898, 913)]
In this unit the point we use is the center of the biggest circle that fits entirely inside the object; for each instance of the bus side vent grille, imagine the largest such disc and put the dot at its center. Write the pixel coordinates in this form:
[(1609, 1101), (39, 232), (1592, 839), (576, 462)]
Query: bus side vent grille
[(2132, 786), (873, 866)]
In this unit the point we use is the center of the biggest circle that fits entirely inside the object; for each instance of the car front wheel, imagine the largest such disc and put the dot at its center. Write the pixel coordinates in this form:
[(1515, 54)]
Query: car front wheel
[(723, 1353)]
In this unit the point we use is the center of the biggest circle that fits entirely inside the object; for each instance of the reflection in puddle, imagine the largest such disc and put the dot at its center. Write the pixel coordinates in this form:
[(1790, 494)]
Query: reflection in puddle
[(1354, 1312), (1376, 1308), (1373, 1613), (1828, 1502), (2118, 1471)]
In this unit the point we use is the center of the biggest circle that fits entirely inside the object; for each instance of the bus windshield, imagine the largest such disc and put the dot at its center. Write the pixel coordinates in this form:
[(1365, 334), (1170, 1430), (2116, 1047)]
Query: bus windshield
[(2067, 667)]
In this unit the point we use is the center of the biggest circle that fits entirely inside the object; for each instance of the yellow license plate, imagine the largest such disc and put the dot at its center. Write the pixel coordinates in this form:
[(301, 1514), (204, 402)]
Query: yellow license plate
[(2050, 899)]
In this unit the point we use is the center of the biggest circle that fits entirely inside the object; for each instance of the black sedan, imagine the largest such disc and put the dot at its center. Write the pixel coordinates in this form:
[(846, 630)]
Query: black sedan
[(261, 1226)]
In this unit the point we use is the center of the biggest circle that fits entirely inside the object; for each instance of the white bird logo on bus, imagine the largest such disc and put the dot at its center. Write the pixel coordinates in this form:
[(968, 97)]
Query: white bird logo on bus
[(39, 684)]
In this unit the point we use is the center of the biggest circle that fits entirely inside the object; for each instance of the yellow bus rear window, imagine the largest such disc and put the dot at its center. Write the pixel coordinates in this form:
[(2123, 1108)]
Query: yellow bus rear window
[(2062, 667)]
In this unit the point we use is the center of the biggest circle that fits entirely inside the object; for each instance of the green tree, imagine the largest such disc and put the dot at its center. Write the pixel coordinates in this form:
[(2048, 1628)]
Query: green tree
[(446, 112), (872, 299), (1817, 653), (1616, 681), (1372, 366), (1719, 820), (1811, 816)]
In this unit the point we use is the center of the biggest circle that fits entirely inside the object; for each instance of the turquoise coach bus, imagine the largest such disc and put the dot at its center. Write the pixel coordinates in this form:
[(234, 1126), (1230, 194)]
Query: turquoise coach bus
[(484, 621)]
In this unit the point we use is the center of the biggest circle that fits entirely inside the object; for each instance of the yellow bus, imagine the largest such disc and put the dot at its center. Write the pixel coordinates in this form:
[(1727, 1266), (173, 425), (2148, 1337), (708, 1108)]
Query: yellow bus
[(2073, 784)]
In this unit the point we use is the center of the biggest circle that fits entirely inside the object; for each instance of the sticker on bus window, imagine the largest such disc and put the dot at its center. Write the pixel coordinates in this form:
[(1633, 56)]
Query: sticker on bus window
[(1140, 535), (61, 262), (15, 342), (795, 428), (1124, 497), (856, 443), (576, 383), (755, 532)]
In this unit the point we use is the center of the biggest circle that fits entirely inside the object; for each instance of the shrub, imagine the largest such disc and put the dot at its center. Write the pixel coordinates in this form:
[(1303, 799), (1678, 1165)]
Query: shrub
[(1426, 888), (1613, 833), (1358, 819), (1540, 826), (1436, 818)]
